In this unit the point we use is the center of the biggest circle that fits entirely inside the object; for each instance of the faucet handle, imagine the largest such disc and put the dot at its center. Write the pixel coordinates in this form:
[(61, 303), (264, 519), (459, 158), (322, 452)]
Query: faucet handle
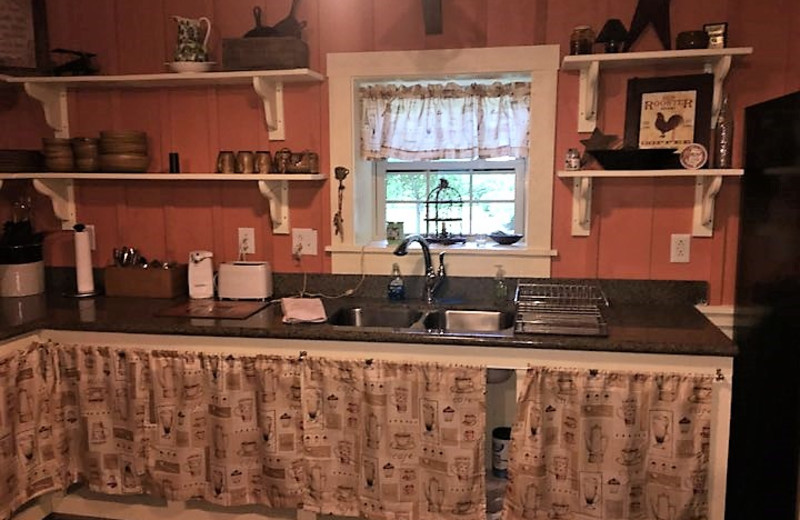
[(442, 271)]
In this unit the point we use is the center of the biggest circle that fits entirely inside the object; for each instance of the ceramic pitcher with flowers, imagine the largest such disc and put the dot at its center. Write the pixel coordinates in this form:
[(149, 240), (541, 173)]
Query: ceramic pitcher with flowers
[(192, 40)]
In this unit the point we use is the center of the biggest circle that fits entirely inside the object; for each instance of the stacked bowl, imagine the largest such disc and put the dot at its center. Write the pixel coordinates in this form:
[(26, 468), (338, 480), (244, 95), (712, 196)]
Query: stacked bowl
[(86, 153), (123, 151), (58, 156)]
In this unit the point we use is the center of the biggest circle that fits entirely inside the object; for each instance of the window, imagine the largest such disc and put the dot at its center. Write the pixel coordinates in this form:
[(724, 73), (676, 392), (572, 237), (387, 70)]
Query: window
[(492, 192), (364, 197)]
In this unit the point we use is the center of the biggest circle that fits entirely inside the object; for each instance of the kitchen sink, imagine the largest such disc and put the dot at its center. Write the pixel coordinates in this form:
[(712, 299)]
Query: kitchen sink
[(468, 321), (414, 320), (384, 317)]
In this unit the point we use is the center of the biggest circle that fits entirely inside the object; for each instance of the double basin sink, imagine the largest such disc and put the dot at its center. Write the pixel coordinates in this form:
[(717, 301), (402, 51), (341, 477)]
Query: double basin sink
[(426, 320)]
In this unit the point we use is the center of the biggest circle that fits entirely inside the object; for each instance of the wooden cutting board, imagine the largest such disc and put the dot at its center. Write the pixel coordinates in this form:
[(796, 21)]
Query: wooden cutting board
[(213, 309)]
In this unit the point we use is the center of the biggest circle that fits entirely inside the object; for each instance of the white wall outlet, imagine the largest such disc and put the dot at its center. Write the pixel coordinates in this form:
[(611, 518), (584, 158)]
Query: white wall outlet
[(90, 230), (247, 240), (304, 242), (679, 248)]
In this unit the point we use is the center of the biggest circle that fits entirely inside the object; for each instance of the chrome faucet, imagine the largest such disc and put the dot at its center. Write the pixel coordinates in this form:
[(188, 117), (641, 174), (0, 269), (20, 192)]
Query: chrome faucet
[(433, 279)]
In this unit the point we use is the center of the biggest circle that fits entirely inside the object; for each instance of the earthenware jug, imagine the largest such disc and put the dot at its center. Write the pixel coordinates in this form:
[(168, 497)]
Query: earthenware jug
[(192, 40)]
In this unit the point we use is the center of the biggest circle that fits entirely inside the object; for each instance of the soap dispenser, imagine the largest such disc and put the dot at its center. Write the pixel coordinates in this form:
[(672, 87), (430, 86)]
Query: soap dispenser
[(397, 287), (500, 287)]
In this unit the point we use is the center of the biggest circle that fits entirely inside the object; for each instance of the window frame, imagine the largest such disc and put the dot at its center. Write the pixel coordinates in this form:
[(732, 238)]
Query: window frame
[(518, 165), (355, 252)]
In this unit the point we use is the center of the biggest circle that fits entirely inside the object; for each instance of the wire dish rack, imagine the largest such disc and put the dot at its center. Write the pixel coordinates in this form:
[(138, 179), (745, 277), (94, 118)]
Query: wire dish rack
[(554, 308)]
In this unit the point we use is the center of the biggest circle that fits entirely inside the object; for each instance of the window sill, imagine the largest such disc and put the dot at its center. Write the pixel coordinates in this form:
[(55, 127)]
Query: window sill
[(462, 259)]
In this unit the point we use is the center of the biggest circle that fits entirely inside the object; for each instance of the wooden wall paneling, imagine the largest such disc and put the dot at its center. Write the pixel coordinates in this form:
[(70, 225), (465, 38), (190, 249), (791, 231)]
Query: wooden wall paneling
[(514, 22), (95, 30), (793, 65), (141, 29), (24, 116), (399, 26), (243, 206), (465, 25), (672, 213), (61, 24), (724, 256), (97, 202), (189, 129), (346, 26), (189, 218), (144, 214), (624, 207)]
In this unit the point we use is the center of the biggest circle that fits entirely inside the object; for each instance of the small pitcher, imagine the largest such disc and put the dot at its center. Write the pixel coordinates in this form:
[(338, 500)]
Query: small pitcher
[(192, 41)]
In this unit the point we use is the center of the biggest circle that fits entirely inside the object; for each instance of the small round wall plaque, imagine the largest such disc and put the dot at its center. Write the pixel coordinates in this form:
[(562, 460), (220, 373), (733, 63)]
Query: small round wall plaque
[(694, 156)]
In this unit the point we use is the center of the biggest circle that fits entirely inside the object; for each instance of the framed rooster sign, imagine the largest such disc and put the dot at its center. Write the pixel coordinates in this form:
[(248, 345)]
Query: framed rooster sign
[(668, 112)]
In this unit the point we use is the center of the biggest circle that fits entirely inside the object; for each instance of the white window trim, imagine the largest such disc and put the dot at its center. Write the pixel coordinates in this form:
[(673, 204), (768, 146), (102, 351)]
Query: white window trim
[(345, 72), (380, 178)]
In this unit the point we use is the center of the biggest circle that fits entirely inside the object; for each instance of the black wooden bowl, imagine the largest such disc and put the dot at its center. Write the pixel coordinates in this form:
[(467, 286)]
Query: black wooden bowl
[(505, 239)]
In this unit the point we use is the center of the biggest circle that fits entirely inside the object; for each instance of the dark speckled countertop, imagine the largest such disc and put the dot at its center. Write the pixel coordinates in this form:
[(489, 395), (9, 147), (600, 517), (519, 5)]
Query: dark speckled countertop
[(644, 317)]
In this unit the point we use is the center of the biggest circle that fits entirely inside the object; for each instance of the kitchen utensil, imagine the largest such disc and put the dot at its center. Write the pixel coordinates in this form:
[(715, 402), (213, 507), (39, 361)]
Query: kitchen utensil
[(259, 31), (192, 40), (245, 162), (290, 26), (201, 275), (226, 162)]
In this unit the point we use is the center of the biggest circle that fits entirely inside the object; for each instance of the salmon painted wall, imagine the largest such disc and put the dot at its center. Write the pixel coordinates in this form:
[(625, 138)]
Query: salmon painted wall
[(632, 219)]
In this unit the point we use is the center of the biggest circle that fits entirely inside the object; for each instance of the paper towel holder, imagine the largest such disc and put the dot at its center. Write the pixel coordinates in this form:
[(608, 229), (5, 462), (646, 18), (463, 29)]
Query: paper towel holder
[(81, 228)]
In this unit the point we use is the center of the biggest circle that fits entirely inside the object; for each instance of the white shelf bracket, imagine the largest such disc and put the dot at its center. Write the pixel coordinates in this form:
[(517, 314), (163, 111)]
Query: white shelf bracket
[(720, 69), (54, 103), (277, 194), (62, 196), (587, 97), (271, 94), (581, 206), (706, 189)]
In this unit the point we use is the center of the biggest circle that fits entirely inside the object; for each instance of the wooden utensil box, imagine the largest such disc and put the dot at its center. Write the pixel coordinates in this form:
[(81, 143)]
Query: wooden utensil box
[(146, 283), (270, 53)]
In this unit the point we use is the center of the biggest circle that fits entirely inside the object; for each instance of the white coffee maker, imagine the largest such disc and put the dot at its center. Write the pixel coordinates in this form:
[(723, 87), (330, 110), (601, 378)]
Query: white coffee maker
[(201, 275)]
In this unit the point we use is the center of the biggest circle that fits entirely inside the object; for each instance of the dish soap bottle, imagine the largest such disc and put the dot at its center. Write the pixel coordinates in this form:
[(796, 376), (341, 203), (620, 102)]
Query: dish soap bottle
[(397, 287), (500, 287)]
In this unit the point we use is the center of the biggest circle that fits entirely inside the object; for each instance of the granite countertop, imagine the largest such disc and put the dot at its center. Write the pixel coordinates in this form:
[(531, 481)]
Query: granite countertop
[(665, 325)]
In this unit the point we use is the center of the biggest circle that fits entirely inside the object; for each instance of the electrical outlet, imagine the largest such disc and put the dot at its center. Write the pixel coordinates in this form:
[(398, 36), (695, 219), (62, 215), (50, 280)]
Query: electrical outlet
[(304, 241), (679, 249), (247, 240), (90, 230)]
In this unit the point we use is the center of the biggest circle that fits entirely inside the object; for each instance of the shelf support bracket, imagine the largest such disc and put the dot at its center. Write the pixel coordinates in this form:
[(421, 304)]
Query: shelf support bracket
[(706, 189), (62, 195), (271, 94), (277, 194), (587, 97), (54, 103), (720, 69), (581, 206)]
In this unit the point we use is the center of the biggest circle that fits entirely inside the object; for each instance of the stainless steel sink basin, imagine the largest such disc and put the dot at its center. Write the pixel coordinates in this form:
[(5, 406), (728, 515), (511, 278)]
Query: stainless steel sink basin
[(422, 320), (469, 321), (385, 317)]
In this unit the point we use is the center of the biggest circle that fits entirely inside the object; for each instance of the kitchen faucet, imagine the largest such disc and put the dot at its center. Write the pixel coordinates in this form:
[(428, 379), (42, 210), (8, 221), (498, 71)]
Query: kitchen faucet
[(433, 279)]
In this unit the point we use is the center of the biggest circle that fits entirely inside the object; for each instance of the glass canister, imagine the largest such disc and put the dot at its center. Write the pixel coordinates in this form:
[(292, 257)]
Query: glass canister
[(581, 40)]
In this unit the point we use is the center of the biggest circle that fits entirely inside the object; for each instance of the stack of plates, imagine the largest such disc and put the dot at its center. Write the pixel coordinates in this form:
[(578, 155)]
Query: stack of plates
[(13, 161), (123, 151), (58, 155)]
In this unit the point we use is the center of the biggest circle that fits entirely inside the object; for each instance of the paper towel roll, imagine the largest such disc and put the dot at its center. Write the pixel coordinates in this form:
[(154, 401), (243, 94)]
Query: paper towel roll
[(83, 262)]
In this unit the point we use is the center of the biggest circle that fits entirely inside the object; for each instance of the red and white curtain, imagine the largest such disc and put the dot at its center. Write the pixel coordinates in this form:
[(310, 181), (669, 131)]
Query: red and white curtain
[(445, 121)]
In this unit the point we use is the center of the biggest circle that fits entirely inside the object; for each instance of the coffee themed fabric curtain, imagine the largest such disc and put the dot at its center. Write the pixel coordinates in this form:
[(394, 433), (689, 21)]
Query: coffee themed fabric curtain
[(376, 439), (390, 440), (458, 121), (606, 445)]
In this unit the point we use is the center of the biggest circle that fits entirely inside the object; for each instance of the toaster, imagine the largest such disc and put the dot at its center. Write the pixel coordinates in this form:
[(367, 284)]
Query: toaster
[(244, 281)]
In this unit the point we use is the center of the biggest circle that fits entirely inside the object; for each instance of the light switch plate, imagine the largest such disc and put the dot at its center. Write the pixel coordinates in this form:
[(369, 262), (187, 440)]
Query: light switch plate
[(304, 241)]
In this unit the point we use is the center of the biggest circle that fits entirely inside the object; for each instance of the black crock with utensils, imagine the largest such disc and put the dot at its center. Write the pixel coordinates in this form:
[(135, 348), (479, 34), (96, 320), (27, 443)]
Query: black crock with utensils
[(19, 244)]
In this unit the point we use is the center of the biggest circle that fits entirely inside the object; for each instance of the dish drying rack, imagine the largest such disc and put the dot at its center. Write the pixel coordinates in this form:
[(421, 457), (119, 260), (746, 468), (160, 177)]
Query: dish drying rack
[(554, 308)]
